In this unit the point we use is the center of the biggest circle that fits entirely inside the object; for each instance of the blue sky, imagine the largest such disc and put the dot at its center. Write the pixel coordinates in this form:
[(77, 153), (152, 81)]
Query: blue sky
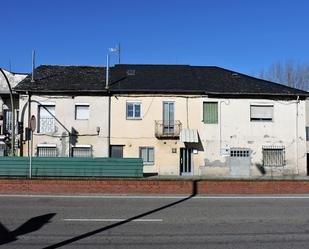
[(242, 35)]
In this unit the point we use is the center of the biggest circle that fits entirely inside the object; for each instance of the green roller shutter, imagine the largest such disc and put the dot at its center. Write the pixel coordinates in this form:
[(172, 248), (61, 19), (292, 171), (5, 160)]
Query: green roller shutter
[(210, 112)]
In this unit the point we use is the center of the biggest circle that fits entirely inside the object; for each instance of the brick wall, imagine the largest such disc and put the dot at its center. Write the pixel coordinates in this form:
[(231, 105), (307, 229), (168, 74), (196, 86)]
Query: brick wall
[(132, 186)]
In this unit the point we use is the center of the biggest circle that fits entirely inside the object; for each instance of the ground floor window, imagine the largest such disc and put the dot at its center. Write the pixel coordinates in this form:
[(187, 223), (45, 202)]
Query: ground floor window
[(147, 154), (116, 151), (273, 155), (46, 150), (82, 151)]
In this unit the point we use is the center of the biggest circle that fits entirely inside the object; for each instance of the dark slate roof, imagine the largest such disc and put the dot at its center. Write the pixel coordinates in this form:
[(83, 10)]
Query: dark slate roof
[(138, 78), (50, 78)]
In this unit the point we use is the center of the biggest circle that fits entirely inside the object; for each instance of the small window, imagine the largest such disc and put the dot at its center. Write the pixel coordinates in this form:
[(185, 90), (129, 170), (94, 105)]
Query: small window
[(210, 112), (46, 122), (273, 156), (116, 151), (147, 154), (81, 111), (82, 151), (46, 150), (261, 112), (133, 110)]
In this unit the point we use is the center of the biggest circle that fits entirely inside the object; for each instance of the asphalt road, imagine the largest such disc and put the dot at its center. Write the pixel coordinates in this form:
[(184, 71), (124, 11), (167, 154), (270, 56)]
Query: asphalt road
[(145, 222)]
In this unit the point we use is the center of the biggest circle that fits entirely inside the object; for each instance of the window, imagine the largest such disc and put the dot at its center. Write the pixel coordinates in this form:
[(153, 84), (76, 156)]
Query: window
[(307, 133), (116, 151), (81, 111), (82, 151), (261, 112), (210, 112), (133, 110), (238, 152), (273, 155), (46, 150), (8, 121), (46, 119), (147, 154)]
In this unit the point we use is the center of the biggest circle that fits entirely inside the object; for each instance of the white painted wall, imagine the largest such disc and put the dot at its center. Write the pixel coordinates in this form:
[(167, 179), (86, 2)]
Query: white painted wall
[(234, 129), (65, 112)]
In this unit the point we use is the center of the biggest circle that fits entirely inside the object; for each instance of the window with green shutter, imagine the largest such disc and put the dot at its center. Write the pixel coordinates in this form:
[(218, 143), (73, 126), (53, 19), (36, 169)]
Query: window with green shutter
[(210, 112)]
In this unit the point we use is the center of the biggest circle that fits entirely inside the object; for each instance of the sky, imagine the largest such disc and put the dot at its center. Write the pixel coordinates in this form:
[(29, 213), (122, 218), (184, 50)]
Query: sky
[(241, 35)]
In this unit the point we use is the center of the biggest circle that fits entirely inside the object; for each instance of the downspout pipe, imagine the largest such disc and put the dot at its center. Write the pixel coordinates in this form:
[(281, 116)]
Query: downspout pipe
[(13, 113)]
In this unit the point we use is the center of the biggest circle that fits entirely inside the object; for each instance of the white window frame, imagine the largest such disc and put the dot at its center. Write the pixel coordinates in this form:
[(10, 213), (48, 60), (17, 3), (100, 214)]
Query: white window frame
[(134, 103), (53, 121), (77, 105), (262, 119), (147, 162)]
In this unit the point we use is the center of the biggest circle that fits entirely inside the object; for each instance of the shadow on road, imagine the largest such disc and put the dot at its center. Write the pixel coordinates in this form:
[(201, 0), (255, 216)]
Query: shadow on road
[(29, 226), (86, 235)]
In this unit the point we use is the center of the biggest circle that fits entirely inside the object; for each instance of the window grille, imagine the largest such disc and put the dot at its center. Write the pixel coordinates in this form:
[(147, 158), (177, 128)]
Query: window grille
[(239, 152), (46, 120), (82, 151), (47, 150), (273, 156)]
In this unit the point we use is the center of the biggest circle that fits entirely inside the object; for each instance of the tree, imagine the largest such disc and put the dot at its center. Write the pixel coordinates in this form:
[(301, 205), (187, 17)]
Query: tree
[(288, 73)]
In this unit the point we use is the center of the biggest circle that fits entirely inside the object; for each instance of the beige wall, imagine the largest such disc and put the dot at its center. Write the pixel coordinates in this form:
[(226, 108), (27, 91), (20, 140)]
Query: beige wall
[(234, 129), (65, 112)]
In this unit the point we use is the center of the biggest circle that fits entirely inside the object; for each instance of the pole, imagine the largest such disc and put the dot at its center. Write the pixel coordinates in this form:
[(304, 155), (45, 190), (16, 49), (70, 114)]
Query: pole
[(119, 53), (107, 72), (13, 114), (30, 157)]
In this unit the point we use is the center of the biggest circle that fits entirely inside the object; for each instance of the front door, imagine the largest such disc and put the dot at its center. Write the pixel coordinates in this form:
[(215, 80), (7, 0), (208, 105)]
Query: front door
[(185, 161), (168, 117)]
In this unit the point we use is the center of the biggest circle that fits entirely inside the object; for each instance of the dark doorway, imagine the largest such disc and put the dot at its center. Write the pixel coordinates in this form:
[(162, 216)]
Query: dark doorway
[(185, 161)]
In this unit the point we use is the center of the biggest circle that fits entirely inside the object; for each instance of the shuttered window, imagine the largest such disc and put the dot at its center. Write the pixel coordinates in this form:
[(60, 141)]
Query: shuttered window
[(82, 151), (261, 112), (210, 112), (81, 111), (46, 150)]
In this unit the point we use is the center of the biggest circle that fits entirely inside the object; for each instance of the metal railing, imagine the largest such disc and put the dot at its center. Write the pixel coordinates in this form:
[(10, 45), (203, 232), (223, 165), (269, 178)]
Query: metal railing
[(167, 129)]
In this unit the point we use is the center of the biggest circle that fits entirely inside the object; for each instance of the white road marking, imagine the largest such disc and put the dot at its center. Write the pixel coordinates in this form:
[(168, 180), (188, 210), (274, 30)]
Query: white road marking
[(296, 196), (114, 220)]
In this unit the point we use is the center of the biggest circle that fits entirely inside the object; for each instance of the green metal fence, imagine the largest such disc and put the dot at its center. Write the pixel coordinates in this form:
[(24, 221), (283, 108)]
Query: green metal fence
[(71, 167)]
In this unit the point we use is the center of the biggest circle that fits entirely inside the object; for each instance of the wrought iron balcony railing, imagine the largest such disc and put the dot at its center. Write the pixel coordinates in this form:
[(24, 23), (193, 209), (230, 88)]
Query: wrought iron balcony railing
[(167, 129)]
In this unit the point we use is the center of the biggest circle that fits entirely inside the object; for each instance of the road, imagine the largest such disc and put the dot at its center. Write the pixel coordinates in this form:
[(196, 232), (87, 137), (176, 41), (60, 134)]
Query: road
[(154, 222)]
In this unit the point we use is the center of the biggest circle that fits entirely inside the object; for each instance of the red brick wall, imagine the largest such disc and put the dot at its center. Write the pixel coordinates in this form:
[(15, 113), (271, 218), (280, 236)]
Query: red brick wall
[(131, 186)]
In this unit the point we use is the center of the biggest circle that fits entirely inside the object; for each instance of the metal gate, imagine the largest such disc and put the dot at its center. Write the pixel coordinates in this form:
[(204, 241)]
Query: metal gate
[(240, 161)]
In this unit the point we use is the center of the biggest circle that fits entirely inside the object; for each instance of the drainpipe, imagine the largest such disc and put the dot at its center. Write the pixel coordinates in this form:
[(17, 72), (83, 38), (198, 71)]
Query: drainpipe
[(297, 102), (109, 104)]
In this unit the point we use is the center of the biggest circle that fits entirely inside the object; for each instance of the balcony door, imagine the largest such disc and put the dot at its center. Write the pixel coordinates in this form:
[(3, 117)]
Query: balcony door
[(168, 117)]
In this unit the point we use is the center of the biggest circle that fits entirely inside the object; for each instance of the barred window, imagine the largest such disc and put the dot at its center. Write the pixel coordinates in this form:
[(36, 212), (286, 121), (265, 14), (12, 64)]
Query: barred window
[(46, 150), (46, 119), (240, 152), (273, 155), (82, 151)]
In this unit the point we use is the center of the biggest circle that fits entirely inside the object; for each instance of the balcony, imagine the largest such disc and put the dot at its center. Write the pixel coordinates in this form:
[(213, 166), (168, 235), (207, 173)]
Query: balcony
[(167, 130)]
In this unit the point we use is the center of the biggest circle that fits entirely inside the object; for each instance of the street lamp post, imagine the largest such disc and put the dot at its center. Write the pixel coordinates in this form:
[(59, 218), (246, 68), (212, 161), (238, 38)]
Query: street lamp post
[(13, 113)]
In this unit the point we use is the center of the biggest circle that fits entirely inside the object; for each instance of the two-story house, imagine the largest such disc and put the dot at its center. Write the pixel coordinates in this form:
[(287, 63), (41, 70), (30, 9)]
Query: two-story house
[(70, 107), (193, 120), (182, 120)]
